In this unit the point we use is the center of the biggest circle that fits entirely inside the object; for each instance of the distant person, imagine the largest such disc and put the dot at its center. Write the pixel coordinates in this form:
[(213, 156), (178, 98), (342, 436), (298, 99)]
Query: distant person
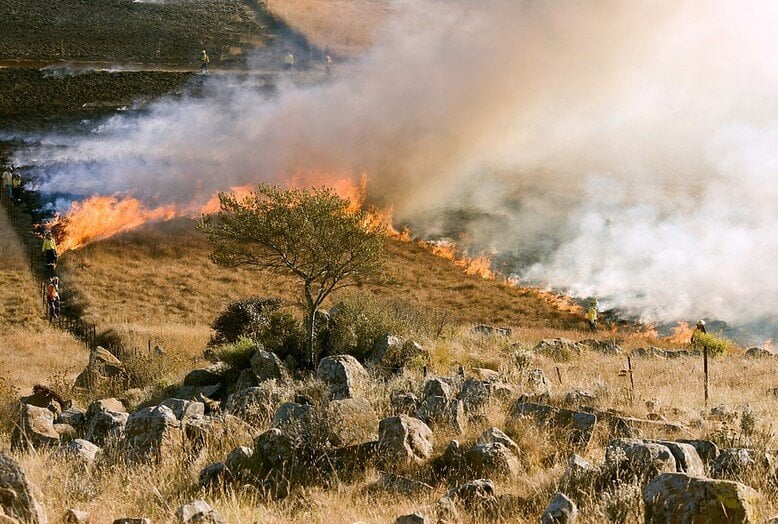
[(289, 62), (204, 60), (7, 182), (327, 65), (52, 299), (699, 329), (16, 187), (591, 316), (49, 250)]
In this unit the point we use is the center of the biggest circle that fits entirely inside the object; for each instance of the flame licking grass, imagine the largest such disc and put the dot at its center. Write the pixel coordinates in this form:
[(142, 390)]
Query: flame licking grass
[(682, 333)]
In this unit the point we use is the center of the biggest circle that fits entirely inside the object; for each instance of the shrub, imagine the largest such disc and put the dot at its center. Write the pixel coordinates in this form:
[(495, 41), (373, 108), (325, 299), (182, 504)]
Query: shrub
[(238, 354), (244, 318), (358, 322), (715, 344), (284, 335)]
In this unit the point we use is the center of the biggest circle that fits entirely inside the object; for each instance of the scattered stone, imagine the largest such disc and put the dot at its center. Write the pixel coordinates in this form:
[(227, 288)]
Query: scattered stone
[(707, 450), (413, 518), (404, 404), (638, 458), (210, 376), (495, 435), (435, 387), (579, 472), (476, 497), (292, 413), (351, 421), (238, 462), (19, 496), (342, 373), (486, 375), (759, 353), (350, 462), (73, 416), (493, 459), (184, 408), (199, 512), (735, 462), (267, 366), (579, 423), (385, 345), (274, 461), (483, 329), (577, 397), (82, 451), (440, 411), (35, 428), (687, 460), (678, 497), (561, 510), (151, 432), (256, 405), (559, 349), (104, 426), (404, 485), (74, 516), (404, 440)]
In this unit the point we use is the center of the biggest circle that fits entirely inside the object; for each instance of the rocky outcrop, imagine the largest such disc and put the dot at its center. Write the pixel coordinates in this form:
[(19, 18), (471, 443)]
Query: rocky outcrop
[(151, 432), (35, 428), (404, 440), (18, 496), (103, 365), (343, 374)]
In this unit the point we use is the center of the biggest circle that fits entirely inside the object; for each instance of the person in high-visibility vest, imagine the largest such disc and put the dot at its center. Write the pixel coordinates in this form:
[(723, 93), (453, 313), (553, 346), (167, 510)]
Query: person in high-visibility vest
[(204, 61), (591, 316), (52, 297), (289, 62), (7, 182), (49, 250), (16, 187), (327, 65)]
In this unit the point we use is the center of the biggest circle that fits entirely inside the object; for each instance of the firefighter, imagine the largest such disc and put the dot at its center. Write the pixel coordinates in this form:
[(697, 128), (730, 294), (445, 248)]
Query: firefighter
[(16, 187), (591, 316), (327, 65), (204, 61), (289, 62), (49, 250), (7, 182), (698, 330), (52, 298)]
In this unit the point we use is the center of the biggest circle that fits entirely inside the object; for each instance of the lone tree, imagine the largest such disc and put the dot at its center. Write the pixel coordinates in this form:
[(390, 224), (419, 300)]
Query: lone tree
[(311, 234)]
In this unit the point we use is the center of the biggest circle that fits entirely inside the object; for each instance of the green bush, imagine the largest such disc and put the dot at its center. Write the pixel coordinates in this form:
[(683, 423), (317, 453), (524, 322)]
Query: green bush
[(244, 318), (357, 323), (284, 335), (237, 354), (716, 345)]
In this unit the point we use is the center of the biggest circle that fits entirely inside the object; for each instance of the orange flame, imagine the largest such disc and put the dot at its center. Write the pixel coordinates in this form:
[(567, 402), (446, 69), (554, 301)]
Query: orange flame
[(682, 333), (100, 217), (479, 266)]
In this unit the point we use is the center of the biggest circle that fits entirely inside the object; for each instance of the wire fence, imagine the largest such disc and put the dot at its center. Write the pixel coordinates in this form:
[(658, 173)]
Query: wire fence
[(57, 313)]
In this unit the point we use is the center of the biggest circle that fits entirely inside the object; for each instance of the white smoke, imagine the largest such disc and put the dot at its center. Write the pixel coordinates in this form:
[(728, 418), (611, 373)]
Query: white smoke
[(531, 123)]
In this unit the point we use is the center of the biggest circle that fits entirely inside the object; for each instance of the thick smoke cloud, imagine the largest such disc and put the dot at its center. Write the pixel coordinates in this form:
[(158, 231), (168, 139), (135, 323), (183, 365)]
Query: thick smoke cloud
[(619, 149)]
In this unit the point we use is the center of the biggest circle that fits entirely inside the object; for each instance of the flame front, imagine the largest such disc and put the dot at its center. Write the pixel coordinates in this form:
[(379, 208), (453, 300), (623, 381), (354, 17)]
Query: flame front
[(682, 333)]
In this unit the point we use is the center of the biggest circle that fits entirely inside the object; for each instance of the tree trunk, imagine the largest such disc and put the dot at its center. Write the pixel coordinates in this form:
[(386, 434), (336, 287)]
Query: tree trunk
[(310, 348)]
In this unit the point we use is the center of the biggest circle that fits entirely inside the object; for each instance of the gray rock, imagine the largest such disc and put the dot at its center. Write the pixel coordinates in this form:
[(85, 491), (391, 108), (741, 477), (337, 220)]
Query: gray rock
[(184, 408), (483, 329), (386, 345), (198, 512), (559, 349), (440, 411), (212, 375), (73, 416), (292, 413), (707, 450), (35, 428), (82, 451), (106, 420), (342, 373), (494, 435), (267, 366), (579, 472), (686, 458), (638, 458), (736, 462), (275, 462), (214, 475), (561, 510), (435, 387), (476, 497), (238, 462), (577, 397), (606, 347), (74, 516), (19, 496), (579, 423), (105, 404), (413, 518), (493, 460), (403, 440), (151, 432), (759, 353), (257, 405), (404, 404), (351, 421), (672, 498), (102, 365)]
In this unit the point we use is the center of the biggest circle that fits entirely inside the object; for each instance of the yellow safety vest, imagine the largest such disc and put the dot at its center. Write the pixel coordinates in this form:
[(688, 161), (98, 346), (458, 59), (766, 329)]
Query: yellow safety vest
[(48, 243), (591, 314)]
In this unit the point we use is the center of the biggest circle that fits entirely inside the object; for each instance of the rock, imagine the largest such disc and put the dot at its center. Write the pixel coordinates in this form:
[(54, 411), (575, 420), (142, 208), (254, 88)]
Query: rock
[(19, 496), (413, 518), (579, 423), (561, 510), (350, 462), (439, 411), (386, 345), (238, 462), (735, 462), (638, 458), (559, 349), (274, 462), (214, 475), (495, 435), (105, 426), (292, 413), (577, 397), (707, 450), (35, 428), (680, 498), (197, 393), (493, 460), (210, 376), (66, 432), (73, 416), (132, 520), (686, 458), (476, 497), (404, 485), (102, 365), (483, 329), (184, 408), (267, 366), (74, 516), (198, 512), (486, 375), (105, 404), (256, 405), (351, 421), (435, 387), (446, 510), (342, 373), (579, 472), (82, 451), (403, 440), (152, 432), (404, 404), (538, 383), (759, 353), (606, 347)]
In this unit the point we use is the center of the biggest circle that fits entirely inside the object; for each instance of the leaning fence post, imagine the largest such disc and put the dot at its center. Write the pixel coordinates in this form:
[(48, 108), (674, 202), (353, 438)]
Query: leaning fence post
[(705, 371)]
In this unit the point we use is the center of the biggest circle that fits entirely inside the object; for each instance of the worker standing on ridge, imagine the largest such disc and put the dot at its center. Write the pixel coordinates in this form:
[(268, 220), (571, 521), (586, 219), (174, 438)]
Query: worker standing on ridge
[(204, 61), (16, 188), (591, 316), (7, 182), (327, 65), (289, 62), (699, 329), (52, 298), (49, 250)]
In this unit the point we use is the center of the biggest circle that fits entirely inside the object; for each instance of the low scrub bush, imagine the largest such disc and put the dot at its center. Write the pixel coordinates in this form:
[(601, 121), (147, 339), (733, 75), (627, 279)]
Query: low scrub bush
[(237, 354), (244, 318), (716, 345)]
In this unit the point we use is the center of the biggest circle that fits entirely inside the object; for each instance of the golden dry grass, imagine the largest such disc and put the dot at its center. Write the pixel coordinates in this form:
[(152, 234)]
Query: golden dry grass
[(345, 27)]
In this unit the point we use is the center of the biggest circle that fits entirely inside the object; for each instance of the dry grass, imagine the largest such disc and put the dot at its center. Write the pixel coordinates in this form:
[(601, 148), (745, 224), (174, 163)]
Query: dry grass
[(345, 27)]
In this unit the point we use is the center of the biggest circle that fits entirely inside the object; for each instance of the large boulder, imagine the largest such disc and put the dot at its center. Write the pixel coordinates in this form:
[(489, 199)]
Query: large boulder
[(151, 432), (102, 365), (630, 458), (561, 510), (342, 373), (184, 408), (106, 419), (351, 421), (687, 460), (267, 366), (256, 405), (678, 498), (35, 428), (441, 411), (82, 452), (19, 496), (404, 440)]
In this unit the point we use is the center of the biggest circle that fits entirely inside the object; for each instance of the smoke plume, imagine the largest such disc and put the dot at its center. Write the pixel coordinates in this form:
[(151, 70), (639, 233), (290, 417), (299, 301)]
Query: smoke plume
[(619, 149)]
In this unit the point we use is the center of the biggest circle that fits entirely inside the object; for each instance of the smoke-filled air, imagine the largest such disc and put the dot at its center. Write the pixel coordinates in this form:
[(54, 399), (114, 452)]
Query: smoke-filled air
[(625, 150)]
